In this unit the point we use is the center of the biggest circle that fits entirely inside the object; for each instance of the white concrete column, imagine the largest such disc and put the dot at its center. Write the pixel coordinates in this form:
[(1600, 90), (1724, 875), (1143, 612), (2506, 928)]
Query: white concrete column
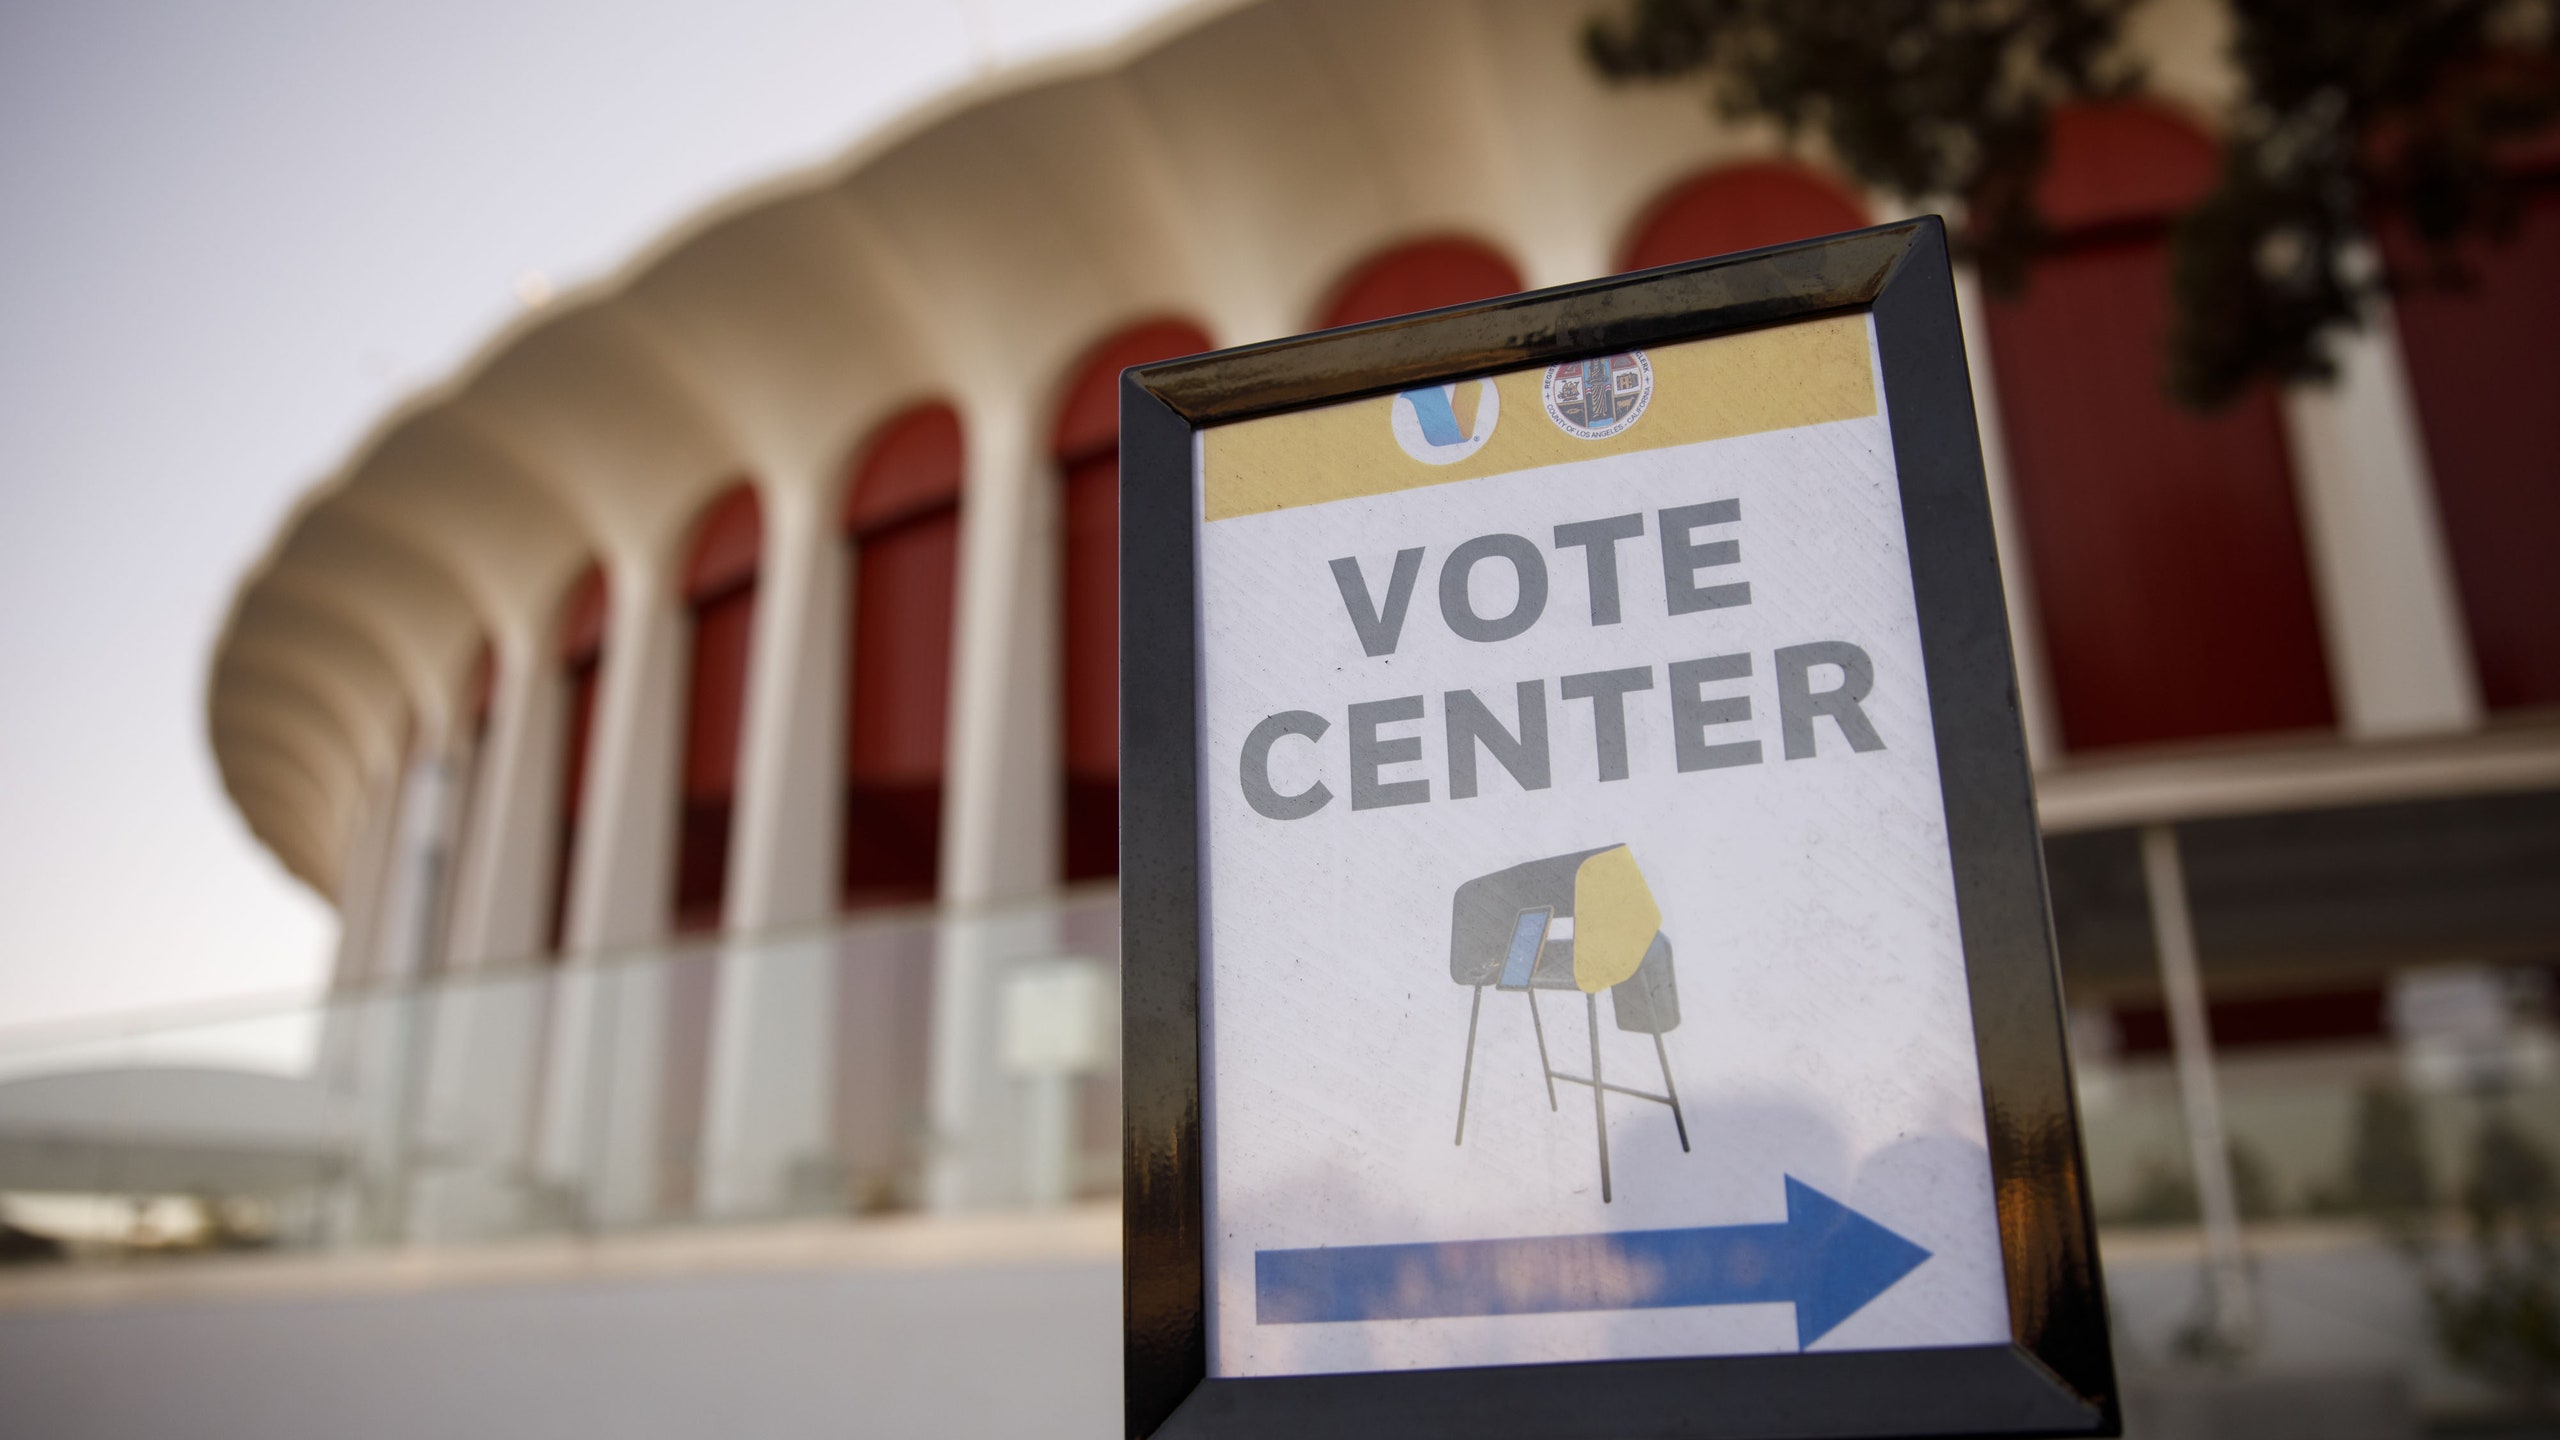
[(600, 1133), (767, 1137), (2234, 1305), (487, 1041), (503, 889), (2017, 578), (367, 873), (414, 875), (369, 1041), (385, 1019), (782, 858), (622, 889), (2399, 657), (1001, 804), (1000, 813), (360, 894)]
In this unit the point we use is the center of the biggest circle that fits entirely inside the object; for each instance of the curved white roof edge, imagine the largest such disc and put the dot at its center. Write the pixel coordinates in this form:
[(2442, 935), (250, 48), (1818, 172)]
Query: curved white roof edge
[(586, 297), (992, 84)]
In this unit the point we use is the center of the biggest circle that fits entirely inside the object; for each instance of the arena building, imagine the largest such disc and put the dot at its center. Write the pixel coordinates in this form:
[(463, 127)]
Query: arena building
[(701, 709)]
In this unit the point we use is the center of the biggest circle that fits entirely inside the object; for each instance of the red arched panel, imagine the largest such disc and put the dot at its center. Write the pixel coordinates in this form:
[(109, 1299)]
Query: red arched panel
[(902, 515), (1089, 418), (478, 686), (728, 541), (911, 463), (2119, 163), (720, 592), (1088, 455), (2479, 364), (582, 616), (2170, 577), (1420, 275), (1740, 207)]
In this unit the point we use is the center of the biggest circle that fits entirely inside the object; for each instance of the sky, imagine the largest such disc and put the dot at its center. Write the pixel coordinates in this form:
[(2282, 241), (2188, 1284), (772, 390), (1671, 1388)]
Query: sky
[(231, 237)]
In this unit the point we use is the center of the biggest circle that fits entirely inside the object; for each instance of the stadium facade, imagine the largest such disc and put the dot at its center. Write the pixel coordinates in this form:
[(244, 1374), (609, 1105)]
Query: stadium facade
[(700, 710)]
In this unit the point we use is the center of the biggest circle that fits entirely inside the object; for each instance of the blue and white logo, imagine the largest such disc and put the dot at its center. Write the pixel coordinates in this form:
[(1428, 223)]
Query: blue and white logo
[(1444, 424)]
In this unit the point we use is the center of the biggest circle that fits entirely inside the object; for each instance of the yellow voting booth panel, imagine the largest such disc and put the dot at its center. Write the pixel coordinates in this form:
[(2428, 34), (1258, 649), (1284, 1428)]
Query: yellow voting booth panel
[(1615, 919)]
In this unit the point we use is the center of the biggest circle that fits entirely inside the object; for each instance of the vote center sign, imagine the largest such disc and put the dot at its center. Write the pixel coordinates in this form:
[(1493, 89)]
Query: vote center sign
[(1582, 954)]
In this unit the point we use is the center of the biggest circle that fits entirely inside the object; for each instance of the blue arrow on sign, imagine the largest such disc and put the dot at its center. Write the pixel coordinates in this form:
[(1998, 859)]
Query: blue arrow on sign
[(1826, 1259)]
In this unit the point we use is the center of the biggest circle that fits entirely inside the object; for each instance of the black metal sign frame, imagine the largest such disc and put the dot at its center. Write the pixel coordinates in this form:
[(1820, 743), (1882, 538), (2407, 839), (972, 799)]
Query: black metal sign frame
[(2056, 1376)]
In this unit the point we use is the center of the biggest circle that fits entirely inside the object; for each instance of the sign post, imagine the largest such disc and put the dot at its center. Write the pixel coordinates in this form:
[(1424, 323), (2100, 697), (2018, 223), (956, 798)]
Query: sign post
[(1586, 961)]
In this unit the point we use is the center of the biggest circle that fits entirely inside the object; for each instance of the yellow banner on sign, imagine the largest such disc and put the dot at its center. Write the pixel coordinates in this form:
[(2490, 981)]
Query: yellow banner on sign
[(1761, 380)]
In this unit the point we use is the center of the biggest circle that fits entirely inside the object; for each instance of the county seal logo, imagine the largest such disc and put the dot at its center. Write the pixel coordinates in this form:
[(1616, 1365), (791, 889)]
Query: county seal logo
[(1597, 398), (1444, 424)]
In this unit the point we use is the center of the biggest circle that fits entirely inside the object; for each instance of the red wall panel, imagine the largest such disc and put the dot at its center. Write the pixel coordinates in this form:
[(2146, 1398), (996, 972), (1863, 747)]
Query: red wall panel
[(903, 511), (2122, 163), (715, 707), (1091, 606), (912, 463), (581, 682), (2170, 575), (1739, 207), (582, 615), (720, 591), (1088, 455), (2480, 364), (1420, 275), (728, 541)]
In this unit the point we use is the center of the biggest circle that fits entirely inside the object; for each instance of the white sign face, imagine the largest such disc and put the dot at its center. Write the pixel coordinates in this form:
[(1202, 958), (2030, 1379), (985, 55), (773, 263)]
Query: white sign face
[(1582, 977)]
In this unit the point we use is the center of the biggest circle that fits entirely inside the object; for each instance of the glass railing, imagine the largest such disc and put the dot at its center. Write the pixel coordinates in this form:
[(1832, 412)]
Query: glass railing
[(924, 1061), (2362, 1132), (921, 1061)]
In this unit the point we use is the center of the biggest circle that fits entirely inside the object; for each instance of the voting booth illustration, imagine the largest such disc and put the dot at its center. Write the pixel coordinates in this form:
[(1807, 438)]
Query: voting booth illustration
[(1583, 922)]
